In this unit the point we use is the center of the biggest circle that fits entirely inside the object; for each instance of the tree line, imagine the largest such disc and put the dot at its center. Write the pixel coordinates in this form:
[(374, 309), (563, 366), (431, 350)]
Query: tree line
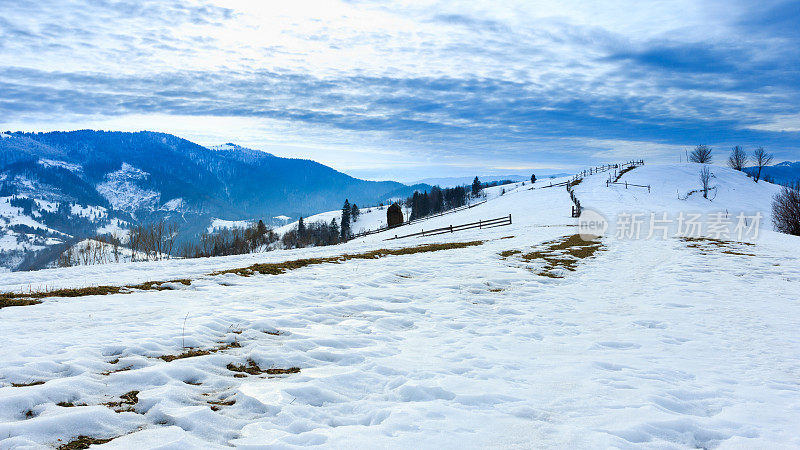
[(737, 160), (230, 241)]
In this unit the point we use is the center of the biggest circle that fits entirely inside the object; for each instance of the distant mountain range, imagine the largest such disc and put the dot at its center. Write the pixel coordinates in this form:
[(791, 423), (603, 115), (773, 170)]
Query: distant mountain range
[(461, 181), (138, 177), (783, 173)]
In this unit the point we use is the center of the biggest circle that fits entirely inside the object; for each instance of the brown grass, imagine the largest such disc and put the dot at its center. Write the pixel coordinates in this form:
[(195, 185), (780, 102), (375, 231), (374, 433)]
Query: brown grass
[(158, 285), (126, 403), (6, 302), (69, 404), (122, 369), (285, 266), (192, 352), (216, 404), (706, 244), (32, 383), (623, 172), (31, 298), (507, 253), (253, 369), (563, 253), (82, 442)]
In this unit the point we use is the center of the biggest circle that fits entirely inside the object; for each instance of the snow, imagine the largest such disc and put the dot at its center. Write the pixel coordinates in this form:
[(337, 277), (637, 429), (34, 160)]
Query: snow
[(63, 164), (91, 212), (223, 147), (121, 190), (115, 227), (95, 252), (46, 205), (175, 204), (11, 215), (219, 224), (651, 343)]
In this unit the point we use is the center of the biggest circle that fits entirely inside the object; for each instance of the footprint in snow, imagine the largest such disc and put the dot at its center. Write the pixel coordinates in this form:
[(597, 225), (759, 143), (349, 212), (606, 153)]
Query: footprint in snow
[(616, 345)]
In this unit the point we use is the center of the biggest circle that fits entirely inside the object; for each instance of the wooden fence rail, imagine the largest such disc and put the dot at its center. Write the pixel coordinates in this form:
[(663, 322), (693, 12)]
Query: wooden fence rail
[(491, 223), (608, 183), (420, 219)]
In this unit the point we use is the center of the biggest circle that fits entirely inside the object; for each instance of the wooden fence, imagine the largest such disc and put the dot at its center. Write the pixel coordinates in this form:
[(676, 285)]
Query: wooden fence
[(609, 183), (491, 223)]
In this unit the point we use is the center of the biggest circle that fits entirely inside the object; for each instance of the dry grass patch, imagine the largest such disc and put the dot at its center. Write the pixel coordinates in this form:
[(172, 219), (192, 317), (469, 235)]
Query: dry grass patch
[(31, 298), (158, 285), (126, 402), (251, 368), (623, 172), (82, 442), (32, 383), (507, 253), (121, 369), (69, 404), (217, 404), (285, 266), (706, 244), (563, 253), (192, 352), (6, 301)]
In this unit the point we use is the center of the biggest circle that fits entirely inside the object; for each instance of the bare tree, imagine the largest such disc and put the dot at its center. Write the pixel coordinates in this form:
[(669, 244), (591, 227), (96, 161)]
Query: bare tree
[(701, 154), (738, 158), (786, 209), (116, 241), (169, 240), (705, 180), (762, 159)]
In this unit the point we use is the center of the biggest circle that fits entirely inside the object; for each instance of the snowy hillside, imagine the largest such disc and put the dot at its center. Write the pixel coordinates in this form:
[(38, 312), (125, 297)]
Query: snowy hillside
[(518, 336)]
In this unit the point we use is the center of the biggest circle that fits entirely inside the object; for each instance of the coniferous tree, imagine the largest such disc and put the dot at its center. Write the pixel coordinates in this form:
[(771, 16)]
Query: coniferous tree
[(301, 226), (354, 212), (345, 228), (476, 187), (533, 178), (334, 232)]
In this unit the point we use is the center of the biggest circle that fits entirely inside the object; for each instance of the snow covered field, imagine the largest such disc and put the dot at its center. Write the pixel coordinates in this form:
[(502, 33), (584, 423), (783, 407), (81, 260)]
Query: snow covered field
[(654, 343)]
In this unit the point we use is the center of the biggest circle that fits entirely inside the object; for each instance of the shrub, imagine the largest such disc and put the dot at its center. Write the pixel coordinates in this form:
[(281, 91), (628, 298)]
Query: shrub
[(786, 209)]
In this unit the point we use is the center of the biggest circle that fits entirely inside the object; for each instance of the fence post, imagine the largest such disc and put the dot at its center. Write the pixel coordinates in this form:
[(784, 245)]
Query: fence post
[(451, 228), (648, 188), (626, 185), (480, 225), (509, 219)]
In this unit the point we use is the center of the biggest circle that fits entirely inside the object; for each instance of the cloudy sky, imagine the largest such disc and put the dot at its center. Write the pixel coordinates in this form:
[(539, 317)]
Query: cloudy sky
[(407, 90)]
